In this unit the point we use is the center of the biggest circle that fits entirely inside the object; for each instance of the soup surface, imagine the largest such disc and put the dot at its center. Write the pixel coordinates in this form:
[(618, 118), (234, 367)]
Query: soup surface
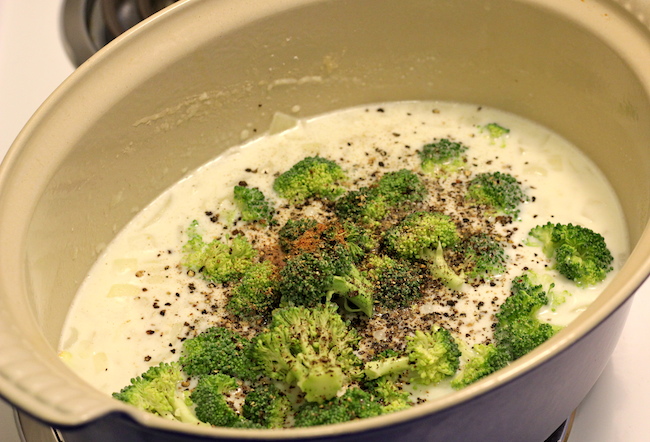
[(139, 302)]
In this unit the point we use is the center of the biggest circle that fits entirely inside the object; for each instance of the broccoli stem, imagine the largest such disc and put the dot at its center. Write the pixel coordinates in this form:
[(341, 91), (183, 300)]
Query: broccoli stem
[(182, 410), (321, 382), (440, 269), (379, 368), (353, 293)]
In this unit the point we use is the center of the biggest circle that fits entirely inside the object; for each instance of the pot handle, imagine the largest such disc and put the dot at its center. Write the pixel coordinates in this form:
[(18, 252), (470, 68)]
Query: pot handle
[(33, 379)]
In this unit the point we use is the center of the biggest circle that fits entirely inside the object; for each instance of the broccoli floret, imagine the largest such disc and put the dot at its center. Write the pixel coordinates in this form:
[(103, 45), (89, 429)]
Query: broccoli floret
[(484, 360), (246, 424), (356, 291), (442, 156), (371, 204), (353, 404), (217, 261), (305, 280), (255, 294), (312, 348), (219, 350), (495, 130), (328, 240), (309, 280), (430, 357), (324, 266), (360, 240), (518, 330), (294, 229), (402, 186), (211, 404), (310, 177), (434, 356), (343, 241), (157, 391), (360, 206), (267, 406), (580, 254), (391, 396), (396, 283), (483, 257), (499, 191), (423, 236), (252, 204), (420, 231)]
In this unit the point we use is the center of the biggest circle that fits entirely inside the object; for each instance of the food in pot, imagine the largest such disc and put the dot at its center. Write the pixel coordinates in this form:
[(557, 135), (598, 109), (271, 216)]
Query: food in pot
[(347, 266)]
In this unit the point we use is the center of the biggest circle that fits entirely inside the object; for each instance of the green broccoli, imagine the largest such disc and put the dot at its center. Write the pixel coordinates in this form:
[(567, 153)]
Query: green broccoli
[(338, 241), (483, 257), (267, 406), (209, 396), (391, 396), (252, 204), (423, 236), (255, 295), (330, 239), (219, 350), (442, 156), (500, 192), (247, 424), (580, 254), (361, 205), (356, 291), (305, 280), (353, 404), (292, 230), (518, 330), (371, 204), (158, 391), (495, 130), (440, 269), (484, 360), (399, 187), (430, 357), (217, 261), (312, 348), (309, 280), (420, 231), (310, 177), (396, 283), (360, 239), (323, 265)]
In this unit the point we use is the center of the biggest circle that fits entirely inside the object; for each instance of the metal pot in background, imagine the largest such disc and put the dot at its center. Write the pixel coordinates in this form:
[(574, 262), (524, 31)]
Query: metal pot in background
[(171, 94)]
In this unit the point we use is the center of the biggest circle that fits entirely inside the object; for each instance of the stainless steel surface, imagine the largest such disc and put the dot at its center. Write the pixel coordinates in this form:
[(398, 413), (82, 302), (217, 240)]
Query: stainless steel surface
[(31, 430), (88, 25)]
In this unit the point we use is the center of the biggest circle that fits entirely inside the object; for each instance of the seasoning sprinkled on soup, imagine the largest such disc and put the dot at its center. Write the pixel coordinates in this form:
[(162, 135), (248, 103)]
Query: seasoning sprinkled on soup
[(346, 266)]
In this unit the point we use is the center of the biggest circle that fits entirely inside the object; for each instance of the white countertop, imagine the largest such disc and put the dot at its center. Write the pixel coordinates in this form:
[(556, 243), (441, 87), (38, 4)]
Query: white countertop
[(33, 63)]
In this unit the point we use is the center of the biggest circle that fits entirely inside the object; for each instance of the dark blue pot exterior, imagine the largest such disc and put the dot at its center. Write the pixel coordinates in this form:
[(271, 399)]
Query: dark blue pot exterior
[(527, 409)]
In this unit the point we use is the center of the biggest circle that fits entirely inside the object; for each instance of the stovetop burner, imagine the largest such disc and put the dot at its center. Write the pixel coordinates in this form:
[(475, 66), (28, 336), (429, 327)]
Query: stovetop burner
[(88, 25)]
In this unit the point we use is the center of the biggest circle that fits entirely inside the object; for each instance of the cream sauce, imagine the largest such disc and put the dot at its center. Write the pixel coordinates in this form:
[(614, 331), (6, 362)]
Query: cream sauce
[(138, 303)]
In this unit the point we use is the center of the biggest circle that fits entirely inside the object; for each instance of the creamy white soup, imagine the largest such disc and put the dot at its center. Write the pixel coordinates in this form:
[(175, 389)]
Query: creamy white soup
[(139, 303)]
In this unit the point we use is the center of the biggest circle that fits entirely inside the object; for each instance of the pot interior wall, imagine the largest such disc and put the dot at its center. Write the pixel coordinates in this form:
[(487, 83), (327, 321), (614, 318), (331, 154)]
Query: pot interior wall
[(175, 114)]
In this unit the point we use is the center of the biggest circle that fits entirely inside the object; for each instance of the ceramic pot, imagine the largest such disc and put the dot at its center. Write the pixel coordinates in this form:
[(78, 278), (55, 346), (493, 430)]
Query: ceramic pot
[(198, 77)]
